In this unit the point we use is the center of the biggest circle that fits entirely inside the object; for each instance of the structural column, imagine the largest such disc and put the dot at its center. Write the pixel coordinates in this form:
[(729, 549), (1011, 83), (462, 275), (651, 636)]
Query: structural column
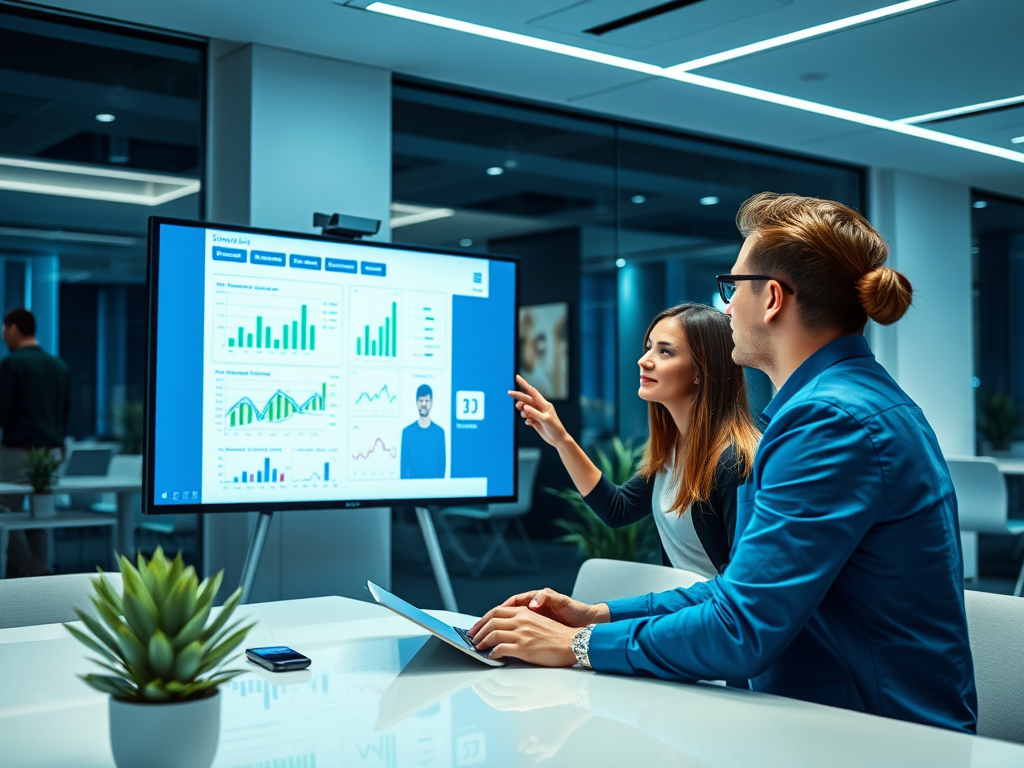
[(292, 134), (930, 352)]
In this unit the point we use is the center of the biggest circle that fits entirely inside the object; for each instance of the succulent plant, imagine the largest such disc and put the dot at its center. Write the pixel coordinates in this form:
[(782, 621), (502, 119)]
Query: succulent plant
[(154, 640)]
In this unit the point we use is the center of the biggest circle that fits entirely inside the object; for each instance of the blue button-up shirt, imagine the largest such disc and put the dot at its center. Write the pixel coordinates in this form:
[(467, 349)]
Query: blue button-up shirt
[(845, 585)]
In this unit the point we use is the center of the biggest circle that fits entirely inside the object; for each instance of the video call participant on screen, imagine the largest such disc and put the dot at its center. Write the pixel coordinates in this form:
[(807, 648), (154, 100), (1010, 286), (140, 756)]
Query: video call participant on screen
[(845, 585), (423, 452), (701, 446)]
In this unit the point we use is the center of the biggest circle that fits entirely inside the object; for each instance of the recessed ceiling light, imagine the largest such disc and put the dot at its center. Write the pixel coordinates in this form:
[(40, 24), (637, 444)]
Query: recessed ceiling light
[(678, 73), (709, 200), (1017, 140), (620, 263), (511, 164), (465, 242), (495, 170), (638, 199), (105, 117), (802, 34), (980, 204)]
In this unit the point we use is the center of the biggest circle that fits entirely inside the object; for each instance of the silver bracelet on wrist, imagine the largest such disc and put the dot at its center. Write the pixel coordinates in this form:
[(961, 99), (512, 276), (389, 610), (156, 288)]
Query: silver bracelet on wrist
[(581, 646)]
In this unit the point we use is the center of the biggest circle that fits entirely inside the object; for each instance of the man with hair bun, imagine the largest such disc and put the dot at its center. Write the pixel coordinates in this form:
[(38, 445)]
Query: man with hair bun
[(845, 582)]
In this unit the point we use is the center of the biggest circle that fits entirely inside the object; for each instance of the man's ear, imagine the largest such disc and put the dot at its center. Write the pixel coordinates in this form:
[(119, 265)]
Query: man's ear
[(776, 299)]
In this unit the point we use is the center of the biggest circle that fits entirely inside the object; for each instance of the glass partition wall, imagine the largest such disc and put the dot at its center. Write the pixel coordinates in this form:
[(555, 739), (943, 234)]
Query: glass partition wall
[(616, 220)]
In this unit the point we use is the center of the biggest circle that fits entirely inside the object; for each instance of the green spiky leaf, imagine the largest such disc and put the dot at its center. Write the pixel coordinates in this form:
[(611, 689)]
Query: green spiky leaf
[(161, 655), (154, 639)]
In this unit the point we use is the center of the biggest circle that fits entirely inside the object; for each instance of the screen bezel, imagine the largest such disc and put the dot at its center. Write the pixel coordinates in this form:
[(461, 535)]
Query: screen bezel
[(149, 506)]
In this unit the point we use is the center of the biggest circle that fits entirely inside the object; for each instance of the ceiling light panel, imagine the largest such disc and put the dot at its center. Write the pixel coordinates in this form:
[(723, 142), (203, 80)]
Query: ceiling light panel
[(968, 110), (92, 182), (692, 78)]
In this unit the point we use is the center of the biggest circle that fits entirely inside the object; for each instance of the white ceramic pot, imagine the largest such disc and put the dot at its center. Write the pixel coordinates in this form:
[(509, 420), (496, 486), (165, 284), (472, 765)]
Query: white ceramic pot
[(178, 735), (42, 505)]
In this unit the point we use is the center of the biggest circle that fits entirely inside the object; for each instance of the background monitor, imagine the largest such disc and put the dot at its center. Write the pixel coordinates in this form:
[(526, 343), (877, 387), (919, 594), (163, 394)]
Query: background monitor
[(288, 371)]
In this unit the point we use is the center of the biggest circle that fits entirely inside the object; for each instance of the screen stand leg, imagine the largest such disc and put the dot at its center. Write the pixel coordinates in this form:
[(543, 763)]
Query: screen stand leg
[(252, 557), (444, 584)]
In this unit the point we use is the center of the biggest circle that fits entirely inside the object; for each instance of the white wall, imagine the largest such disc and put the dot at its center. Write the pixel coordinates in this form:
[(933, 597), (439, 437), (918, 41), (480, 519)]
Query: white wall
[(930, 352), (292, 134)]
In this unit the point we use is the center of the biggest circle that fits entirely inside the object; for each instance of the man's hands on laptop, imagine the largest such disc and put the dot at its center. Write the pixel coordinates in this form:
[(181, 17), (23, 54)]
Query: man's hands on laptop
[(536, 626)]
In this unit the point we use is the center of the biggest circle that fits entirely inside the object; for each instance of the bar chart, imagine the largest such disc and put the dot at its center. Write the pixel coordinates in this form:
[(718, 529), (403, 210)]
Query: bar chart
[(273, 467), (280, 322), (373, 322), (280, 406)]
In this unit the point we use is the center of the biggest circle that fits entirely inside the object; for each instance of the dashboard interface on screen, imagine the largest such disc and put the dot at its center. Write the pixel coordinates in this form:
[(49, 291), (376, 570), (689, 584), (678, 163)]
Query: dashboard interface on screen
[(297, 370)]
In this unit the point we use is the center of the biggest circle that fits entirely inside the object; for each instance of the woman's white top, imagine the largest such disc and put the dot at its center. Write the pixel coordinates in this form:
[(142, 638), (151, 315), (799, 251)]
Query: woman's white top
[(678, 535)]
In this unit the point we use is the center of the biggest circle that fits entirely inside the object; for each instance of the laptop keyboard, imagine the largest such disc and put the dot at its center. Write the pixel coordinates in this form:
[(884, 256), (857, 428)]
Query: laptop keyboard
[(464, 634)]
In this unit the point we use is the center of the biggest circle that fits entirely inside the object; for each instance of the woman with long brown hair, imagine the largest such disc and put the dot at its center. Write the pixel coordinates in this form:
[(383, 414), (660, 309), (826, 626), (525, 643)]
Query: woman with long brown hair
[(701, 446)]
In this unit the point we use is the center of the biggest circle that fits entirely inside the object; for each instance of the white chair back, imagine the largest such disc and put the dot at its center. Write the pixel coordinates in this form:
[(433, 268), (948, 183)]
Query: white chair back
[(600, 580), (48, 599), (996, 627), (980, 493), (529, 462), (126, 467)]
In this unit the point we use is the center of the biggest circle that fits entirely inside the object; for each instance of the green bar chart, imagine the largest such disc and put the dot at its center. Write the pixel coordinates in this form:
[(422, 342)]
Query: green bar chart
[(380, 339), (290, 338), (262, 322)]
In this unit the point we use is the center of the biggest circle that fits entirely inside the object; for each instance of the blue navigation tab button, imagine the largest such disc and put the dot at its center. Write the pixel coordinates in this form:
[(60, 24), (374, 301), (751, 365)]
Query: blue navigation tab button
[(270, 258), (341, 265), (229, 254), (305, 262), (373, 268)]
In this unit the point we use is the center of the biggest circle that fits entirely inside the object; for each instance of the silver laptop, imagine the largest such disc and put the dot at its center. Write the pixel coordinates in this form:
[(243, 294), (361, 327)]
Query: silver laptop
[(454, 636)]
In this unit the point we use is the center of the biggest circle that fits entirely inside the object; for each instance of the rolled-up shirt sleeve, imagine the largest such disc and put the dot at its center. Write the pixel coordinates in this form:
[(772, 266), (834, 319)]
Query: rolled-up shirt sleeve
[(819, 487)]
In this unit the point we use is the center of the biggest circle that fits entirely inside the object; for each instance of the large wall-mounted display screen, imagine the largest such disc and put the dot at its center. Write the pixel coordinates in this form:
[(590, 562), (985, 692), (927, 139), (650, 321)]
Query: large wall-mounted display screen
[(289, 371)]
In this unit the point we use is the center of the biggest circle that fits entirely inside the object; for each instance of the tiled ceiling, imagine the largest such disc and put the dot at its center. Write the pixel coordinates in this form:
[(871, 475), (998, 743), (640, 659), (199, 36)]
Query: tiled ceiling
[(945, 55)]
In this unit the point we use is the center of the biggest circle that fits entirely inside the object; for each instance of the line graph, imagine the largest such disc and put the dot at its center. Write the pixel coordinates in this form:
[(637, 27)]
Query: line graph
[(373, 452), (374, 393), (378, 444), (280, 406)]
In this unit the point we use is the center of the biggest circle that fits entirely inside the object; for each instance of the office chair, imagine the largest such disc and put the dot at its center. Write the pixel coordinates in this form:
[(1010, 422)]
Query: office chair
[(600, 580), (48, 599), (982, 501), (498, 517), (995, 624)]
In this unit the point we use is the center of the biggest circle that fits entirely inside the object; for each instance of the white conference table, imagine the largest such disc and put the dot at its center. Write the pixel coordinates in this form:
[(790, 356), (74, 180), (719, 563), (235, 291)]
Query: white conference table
[(125, 490), (379, 693)]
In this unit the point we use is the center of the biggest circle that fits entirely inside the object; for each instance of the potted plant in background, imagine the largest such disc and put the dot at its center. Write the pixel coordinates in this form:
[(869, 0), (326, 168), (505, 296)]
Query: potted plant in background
[(129, 418), (41, 474), (163, 662), (593, 538), (998, 419)]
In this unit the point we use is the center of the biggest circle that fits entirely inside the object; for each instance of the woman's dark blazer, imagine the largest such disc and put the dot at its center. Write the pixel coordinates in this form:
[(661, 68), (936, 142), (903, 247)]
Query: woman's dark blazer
[(714, 520)]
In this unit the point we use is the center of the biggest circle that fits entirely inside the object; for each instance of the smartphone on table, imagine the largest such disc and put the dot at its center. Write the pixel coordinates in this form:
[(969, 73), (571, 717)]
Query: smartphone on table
[(277, 658)]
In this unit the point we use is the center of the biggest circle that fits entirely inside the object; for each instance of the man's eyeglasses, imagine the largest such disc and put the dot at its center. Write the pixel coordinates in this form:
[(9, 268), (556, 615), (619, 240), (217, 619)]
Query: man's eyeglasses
[(727, 284)]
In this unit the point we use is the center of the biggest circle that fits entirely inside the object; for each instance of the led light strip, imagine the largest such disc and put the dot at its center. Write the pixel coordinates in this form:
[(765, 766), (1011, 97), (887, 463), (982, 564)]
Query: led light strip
[(803, 34), (962, 110), (698, 80), (180, 187)]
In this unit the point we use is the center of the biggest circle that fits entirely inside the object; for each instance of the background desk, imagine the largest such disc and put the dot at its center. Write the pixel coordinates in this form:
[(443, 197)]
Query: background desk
[(372, 699), (23, 521), (99, 484)]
